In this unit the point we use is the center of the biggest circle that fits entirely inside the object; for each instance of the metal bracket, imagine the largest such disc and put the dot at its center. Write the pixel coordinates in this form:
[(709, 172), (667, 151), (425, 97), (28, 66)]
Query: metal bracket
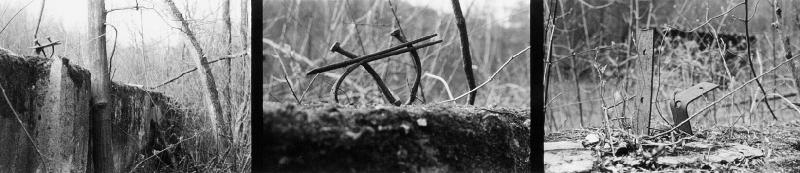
[(681, 100)]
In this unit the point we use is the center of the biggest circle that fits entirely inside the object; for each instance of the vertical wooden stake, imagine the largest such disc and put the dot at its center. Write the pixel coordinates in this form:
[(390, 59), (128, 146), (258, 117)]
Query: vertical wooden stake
[(643, 81), (102, 148)]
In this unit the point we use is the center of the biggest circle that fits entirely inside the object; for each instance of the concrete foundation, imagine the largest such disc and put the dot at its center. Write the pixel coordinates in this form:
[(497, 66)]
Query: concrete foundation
[(51, 101)]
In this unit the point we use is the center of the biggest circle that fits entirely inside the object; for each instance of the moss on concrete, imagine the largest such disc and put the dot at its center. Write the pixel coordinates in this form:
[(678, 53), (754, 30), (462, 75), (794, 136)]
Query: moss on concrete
[(427, 138)]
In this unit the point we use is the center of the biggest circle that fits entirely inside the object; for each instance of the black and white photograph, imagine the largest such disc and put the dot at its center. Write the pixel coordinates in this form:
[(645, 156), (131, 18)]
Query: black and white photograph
[(668, 86), (125, 86), (395, 86)]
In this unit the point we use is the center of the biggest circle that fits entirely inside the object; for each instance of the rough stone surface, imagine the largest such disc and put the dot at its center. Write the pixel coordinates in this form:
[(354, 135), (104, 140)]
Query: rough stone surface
[(52, 100), (566, 156), (562, 145), (49, 101), (698, 145), (453, 138), (145, 122), (677, 160), (733, 153)]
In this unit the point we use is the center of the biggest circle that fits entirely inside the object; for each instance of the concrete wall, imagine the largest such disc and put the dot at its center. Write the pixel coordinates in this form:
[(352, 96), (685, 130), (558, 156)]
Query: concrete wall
[(146, 121), (52, 100)]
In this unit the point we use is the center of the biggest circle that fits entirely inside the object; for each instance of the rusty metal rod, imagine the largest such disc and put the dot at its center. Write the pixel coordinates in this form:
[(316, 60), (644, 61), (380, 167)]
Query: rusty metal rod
[(369, 58), (381, 53), (382, 86), (364, 61), (417, 65)]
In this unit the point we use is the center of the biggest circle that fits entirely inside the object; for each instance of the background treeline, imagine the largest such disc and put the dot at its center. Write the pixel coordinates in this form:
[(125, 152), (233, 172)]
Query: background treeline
[(592, 57)]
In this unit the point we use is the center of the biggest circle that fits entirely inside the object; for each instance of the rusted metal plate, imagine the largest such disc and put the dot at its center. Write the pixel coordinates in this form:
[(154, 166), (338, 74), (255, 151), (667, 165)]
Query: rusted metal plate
[(643, 90), (694, 92), (683, 99)]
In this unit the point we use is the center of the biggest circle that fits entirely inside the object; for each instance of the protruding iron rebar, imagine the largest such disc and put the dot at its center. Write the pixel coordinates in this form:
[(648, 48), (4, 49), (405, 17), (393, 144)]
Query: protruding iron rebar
[(382, 86), (367, 59), (336, 47), (417, 65), (378, 54)]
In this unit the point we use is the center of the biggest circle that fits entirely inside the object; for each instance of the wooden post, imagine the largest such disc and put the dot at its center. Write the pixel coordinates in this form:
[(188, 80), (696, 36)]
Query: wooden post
[(643, 81), (95, 53)]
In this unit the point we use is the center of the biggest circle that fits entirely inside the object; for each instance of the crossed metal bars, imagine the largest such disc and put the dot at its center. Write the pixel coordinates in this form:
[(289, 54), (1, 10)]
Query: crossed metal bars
[(38, 48), (355, 61)]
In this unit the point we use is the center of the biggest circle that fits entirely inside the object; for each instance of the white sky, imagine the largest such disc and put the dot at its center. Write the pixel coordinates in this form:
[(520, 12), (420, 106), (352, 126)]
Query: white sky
[(72, 15), (499, 10)]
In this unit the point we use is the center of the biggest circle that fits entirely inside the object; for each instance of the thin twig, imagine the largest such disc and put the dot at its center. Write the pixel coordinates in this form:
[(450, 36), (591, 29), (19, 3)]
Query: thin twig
[(286, 76), (113, 50), (596, 6), (788, 102), (308, 87), (165, 149), (750, 59), (33, 142), (39, 21), (135, 7), (195, 69), (769, 99), (490, 77), (446, 87), (15, 16), (717, 16)]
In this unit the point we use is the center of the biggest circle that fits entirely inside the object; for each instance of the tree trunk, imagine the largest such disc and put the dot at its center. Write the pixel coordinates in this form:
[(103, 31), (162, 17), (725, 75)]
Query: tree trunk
[(244, 29), (102, 155), (461, 23), (226, 90), (211, 97)]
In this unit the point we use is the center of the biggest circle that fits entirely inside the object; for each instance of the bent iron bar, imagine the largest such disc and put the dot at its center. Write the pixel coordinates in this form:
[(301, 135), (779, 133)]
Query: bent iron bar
[(385, 90), (381, 54), (397, 34), (369, 59)]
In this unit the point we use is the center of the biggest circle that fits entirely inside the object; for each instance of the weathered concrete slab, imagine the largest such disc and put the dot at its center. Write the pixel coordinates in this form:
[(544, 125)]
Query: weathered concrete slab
[(567, 156), (432, 138), (144, 121), (50, 101)]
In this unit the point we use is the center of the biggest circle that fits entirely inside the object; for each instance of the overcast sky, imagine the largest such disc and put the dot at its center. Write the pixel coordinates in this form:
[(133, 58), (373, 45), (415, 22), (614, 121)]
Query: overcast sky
[(499, 10), (71, 14)]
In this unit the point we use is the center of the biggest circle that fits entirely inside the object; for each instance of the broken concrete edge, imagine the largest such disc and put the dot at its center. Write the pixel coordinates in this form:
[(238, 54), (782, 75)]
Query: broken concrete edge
[(387, 138), (146, 121), (52, 99)]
